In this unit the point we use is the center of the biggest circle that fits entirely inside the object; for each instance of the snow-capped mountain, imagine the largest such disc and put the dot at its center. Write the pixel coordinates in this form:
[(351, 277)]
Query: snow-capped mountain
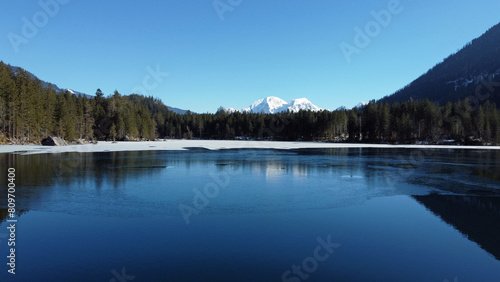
[(269, 105), (76, 93), (302, 104), (360, 105), (272, 105), (231, 110)]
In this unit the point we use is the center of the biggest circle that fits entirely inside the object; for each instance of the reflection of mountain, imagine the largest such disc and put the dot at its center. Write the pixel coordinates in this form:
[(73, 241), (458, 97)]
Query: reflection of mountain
[(476, 217)]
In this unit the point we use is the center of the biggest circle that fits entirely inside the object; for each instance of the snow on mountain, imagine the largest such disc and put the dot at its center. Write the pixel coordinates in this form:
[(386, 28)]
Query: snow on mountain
[(73, 92), (231, 110), (301, 104), (271, 105), (360, 105), (464, 82)]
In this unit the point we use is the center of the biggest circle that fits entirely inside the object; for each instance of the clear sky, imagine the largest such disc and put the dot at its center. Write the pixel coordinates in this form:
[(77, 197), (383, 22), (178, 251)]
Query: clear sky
[(248, 50)]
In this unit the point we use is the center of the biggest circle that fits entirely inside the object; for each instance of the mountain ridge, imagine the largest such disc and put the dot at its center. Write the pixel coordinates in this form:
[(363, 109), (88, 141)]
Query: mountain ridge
[(46, 84), (468, 73), (272, 105)]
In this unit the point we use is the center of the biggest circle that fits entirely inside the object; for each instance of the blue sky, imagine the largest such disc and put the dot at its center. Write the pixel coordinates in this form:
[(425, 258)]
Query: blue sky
[(258, 48)]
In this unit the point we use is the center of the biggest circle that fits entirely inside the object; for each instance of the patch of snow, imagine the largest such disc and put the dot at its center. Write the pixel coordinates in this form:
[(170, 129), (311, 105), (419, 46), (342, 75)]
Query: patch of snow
[(231, 110), (468, 81), (210, 145), (464, 82), (360, 105)]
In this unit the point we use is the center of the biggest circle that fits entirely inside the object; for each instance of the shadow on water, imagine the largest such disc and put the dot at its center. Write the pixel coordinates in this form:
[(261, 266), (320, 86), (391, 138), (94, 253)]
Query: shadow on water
[(476, 217)]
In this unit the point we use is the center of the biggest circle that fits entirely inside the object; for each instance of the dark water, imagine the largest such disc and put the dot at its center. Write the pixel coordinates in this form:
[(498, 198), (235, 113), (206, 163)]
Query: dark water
[(255, 215)]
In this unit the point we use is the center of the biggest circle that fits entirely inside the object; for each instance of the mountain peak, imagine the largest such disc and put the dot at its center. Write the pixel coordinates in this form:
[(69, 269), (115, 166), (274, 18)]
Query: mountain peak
[(360, 105), (272, 104)]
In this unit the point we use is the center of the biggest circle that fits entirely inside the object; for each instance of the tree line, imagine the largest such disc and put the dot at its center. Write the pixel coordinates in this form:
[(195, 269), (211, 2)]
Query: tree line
[(30, 112)]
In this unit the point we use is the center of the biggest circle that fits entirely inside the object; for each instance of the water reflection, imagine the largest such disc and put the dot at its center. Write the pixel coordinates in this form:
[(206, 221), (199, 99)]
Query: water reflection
[(51, 169), (293, 195), (369, 171), (4, 214), (476, 217)]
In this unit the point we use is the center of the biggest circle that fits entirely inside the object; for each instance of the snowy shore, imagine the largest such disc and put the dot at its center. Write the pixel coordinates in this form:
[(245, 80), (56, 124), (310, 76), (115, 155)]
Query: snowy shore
[(210, 145)]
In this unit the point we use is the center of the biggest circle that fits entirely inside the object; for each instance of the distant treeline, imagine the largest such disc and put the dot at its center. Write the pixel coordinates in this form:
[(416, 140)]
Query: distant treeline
[(30, 112)]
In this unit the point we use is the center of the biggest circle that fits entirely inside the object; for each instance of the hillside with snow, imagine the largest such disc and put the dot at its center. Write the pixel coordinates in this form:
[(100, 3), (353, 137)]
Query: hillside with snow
[(472, 72), (361, 105)]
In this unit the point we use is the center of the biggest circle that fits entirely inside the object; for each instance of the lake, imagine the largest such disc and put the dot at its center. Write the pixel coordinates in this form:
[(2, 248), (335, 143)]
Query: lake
[(352, 214)]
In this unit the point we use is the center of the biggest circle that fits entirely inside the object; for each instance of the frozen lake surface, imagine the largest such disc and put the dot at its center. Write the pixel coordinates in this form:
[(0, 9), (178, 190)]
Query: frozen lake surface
[(211, 145)]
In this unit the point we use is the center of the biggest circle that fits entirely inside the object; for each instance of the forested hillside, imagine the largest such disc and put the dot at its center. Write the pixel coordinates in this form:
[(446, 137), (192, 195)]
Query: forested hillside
[(30, 112), (465, 74)]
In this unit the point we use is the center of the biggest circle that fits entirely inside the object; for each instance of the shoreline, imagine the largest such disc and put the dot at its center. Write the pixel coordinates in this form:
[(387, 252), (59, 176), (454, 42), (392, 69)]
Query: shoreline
[(180, 145)]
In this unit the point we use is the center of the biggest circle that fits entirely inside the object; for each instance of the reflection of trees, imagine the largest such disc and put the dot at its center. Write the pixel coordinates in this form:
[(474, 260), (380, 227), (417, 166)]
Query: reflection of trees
[(4, 214), (50, 169), (64, 169), (472, 172), (37, 174), (474, 216), (43, 170)]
